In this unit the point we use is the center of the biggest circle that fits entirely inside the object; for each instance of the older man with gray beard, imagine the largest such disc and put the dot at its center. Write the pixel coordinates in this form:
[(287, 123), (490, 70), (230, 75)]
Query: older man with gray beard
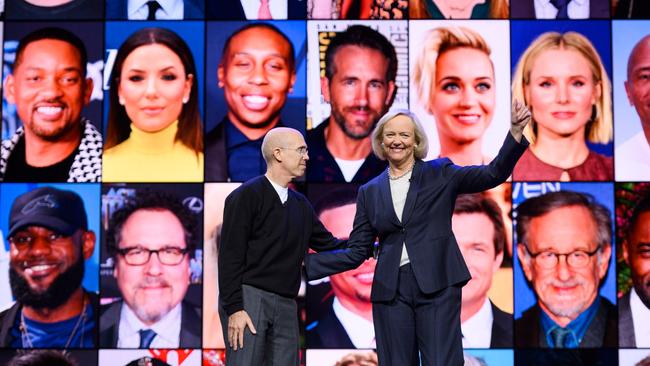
[(152, 313), (564, 246)]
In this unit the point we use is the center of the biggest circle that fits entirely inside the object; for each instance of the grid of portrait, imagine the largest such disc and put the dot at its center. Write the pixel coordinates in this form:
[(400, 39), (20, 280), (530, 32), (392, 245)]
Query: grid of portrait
[(126, 124)]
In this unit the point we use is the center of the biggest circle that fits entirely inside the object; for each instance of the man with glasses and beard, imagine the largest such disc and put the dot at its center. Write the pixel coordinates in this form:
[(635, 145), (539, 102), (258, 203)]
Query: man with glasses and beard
[(49, 242), (564, 247), (152, 313)]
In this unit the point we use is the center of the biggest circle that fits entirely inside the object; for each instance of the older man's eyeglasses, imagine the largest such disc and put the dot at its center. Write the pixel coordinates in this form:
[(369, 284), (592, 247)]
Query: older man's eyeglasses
[(302, 150), (548, 259), (139, 256)]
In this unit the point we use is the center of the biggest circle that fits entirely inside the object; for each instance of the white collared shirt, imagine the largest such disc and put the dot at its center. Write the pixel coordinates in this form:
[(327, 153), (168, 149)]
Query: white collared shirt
[(168, 329), (640, 319), (169, 9), (252, 7), (477, 330), (359, 329), (577, 9), (633, 159), (283, 192)]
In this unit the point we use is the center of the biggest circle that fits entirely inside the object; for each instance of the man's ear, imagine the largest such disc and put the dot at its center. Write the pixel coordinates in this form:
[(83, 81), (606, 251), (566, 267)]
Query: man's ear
[(88, 239), (221, 75), (604, 260), (524, 261), (88, 90), (325, 88), (9, 89)]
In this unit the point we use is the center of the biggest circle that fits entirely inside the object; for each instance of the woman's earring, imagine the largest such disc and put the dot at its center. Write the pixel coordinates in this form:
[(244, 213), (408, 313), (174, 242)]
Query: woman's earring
[(185, 100)]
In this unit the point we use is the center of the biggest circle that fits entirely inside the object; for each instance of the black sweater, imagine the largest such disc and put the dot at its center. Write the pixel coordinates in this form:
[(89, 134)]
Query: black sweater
[(264, 242)]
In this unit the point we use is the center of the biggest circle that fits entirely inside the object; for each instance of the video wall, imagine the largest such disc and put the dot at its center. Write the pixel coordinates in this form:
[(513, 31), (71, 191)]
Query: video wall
[(126, 124)]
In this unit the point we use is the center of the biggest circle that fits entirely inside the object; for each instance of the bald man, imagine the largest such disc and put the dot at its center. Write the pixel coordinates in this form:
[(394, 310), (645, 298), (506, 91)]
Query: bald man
[(267, 228), (633, 155)]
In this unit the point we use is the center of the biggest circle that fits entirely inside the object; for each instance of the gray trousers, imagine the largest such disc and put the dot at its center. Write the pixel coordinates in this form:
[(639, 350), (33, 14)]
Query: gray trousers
[(276, 320)]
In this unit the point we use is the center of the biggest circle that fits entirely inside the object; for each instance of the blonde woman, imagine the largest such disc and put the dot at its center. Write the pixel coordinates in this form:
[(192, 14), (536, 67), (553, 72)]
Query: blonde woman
[(458, 9), (457, 87), (565, 86)]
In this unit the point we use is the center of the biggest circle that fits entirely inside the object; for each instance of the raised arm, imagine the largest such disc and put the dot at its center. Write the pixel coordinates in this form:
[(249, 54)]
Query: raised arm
[(478, 178)]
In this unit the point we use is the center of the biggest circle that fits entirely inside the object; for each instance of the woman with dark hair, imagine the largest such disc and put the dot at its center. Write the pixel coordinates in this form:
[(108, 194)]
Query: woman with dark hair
[(154, 126)]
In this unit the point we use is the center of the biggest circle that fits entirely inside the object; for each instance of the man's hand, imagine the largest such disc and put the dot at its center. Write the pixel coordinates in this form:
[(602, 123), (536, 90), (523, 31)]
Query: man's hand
[(237, 323), (519, 119)]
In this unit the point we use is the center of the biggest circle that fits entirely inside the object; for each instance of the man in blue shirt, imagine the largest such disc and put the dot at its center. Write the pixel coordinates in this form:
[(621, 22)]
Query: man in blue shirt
[(256, 72), (49, 242), (564, 247)]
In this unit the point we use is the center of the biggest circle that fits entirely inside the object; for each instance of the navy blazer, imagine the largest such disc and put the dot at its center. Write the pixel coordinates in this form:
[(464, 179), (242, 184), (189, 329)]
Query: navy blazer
[(192, 9), (435, 258), (526, 9), (233, 10), (109, 325)]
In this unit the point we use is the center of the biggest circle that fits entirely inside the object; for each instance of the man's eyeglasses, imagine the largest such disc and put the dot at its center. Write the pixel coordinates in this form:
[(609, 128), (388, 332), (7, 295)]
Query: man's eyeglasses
[(302, 150), (548, 259), (138, 256)]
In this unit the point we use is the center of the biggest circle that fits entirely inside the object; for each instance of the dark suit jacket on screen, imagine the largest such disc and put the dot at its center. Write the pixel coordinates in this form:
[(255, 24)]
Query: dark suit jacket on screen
[(626, 336), (502, 324), (526, 9), (233, 10), (192, 9), (109, 325), (602, 332), (328, 332)]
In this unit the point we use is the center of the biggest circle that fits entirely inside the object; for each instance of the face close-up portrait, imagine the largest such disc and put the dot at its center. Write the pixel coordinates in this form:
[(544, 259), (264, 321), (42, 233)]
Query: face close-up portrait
[(154, 288), (153, 87), (49, 87), (464, 97), (564, 290), (358, 90), (256, 73)]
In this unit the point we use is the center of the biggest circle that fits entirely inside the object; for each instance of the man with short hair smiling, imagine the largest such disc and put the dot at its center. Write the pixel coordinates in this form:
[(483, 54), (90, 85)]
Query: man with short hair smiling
[(49, 87), (564, 249), (49, 242), (152, 239), (634, 306), (359, 84), (257, 70)]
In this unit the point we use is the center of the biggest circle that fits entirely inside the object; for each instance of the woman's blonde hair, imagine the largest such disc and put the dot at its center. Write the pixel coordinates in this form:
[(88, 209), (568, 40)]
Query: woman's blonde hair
[(421, 147), (436, 42), (499, 9), (599, 128)]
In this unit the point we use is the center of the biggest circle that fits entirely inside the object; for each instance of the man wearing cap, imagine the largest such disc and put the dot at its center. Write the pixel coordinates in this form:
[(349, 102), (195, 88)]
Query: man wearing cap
[(49, 242)]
